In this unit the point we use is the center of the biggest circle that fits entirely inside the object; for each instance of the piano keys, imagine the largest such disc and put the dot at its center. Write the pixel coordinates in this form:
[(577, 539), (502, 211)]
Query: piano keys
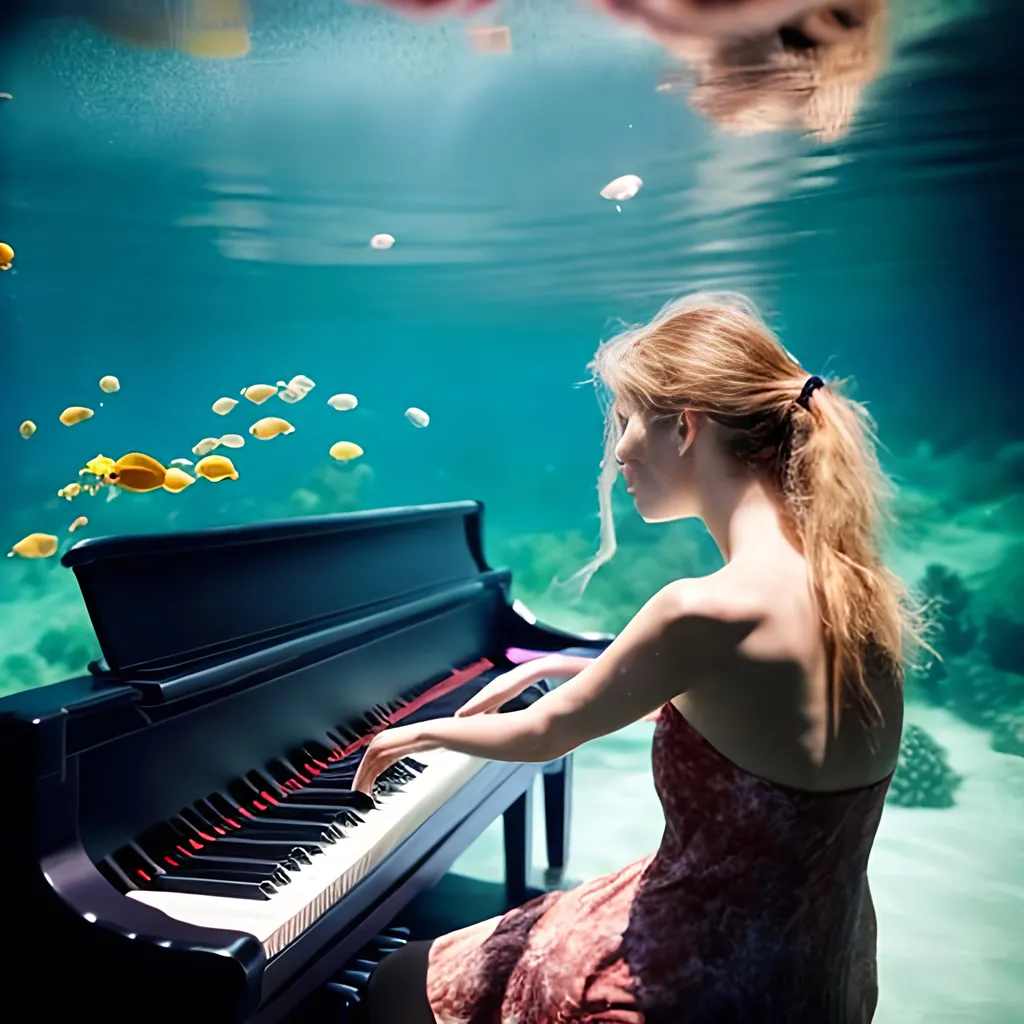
[(186, 814)]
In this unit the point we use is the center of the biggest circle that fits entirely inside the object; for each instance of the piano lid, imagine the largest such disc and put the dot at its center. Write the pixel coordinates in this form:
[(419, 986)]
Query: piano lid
[(163, 603)]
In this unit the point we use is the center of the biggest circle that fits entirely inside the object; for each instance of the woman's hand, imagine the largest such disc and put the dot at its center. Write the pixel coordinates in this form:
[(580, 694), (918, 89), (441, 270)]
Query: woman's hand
[(387, 748), (508, 685)]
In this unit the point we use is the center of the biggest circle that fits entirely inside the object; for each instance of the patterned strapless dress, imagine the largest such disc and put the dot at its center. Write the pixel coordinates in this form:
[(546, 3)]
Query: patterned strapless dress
[(754, 910)]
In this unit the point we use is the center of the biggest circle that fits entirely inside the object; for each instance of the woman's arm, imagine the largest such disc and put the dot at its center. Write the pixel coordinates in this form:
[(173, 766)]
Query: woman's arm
[(509, 685), (646, 665), (666, 648)]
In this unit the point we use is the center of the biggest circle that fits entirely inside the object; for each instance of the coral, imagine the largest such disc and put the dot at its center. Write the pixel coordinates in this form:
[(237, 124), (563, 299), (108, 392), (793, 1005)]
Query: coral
[(1008, 732), (949, 601), (338, 488), (304, 501), (970, 687), (923, 776), (979, 693), (1004, 643), (954, 633), (19, 672), (52, 645), (69, 648)]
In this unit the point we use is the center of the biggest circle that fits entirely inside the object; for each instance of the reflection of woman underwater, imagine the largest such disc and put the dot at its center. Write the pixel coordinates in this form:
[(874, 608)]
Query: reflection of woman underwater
[(754, 65), (779, 679)]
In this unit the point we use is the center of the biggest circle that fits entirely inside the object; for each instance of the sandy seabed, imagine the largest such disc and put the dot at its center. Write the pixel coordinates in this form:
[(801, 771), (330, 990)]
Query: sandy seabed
[(948, 884)]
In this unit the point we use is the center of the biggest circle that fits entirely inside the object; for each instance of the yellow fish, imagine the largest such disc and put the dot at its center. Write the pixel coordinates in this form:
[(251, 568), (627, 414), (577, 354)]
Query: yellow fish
[(177, 480), (137, 472), (215, 468), (270, 426), (345, 451), (101, 466), (75, 414), (6, 256), (35, 545)]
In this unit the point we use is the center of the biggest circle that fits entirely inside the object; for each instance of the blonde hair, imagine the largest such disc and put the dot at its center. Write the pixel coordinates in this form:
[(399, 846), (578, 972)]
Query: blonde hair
[(713, 353), (754, 84)]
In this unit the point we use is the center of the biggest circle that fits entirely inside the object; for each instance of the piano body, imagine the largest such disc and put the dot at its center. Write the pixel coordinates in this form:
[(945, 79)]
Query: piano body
[(181, 834)]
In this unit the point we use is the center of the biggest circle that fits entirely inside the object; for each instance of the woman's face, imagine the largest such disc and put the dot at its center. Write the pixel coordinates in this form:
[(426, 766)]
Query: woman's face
[(650, 456)]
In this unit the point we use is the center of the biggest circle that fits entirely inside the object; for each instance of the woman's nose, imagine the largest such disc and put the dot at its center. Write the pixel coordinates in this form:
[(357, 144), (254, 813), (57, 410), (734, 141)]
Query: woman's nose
[(622, 450)]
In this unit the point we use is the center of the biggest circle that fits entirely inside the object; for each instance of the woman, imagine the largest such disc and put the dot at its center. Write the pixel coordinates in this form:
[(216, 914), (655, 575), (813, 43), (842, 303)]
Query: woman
[(779, 679)]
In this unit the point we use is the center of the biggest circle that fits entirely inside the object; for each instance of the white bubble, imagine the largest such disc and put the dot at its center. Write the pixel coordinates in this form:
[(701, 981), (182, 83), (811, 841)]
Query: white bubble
[(382, 241), (622, 188)]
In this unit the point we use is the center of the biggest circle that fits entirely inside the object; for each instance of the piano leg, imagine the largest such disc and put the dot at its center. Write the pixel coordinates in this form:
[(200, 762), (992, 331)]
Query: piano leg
[(557, 810), (518, 828)]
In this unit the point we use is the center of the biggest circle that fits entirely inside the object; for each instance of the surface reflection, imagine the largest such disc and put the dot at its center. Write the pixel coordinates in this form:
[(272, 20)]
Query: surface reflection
[(805, 74)]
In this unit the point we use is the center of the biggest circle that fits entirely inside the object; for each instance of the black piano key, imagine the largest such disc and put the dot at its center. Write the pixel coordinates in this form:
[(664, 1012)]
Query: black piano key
[(292, 832), (398, 773), (267, 866), (317, 749), (279, 872), (197, 837), (339, 798), (216, 887), (117, 876), (194, 869), (221, 824), (342, 779), (346, 734), (344, 996), (139, 866), (242, 792), (203, 824), (159, 839), (266, 849), (340, 817), (283, 772), (294, 810), (358, 979), (265, 787)]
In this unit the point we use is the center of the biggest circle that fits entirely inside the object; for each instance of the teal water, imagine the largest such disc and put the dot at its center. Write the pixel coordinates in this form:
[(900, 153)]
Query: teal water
[(197, 226)]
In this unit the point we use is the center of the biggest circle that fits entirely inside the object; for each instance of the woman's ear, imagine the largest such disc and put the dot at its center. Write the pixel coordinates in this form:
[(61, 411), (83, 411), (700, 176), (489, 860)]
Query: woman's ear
[(690, 423)]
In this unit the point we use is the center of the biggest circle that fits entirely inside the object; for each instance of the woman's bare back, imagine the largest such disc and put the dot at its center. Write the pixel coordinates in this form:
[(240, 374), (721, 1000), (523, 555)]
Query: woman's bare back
[(764, 703)]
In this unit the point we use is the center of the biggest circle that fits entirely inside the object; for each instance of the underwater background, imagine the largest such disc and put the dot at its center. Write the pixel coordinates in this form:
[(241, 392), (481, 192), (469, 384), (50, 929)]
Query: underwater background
[(195, 226)]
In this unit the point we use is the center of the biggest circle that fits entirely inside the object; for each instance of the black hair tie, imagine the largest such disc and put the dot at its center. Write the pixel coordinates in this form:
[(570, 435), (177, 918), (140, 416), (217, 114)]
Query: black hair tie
[(812, 385)]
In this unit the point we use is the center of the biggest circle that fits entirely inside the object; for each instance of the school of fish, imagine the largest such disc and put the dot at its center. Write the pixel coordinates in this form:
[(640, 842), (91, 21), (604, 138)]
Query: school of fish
[(139, 473)]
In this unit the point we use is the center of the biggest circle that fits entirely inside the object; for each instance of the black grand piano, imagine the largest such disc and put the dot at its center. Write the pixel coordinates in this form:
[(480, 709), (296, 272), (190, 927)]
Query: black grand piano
[(181, 833)]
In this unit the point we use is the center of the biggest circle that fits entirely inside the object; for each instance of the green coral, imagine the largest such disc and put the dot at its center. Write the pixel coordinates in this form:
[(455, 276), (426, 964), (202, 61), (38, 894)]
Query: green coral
[(977, 692), (954, 633), (923, 776), (69, 648), (1004, 643), (19, 672), (1008, 732)]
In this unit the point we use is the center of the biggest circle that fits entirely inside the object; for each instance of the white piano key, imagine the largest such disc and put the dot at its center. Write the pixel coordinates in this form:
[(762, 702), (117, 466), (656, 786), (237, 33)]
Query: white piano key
[(280, 920)]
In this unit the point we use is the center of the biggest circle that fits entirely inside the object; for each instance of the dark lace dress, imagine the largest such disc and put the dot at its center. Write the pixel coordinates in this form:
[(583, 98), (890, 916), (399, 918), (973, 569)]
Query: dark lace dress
[(754, 910)]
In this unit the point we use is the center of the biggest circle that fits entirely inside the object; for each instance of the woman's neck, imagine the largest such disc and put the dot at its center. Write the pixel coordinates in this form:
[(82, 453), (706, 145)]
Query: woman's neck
[(740, 513)]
